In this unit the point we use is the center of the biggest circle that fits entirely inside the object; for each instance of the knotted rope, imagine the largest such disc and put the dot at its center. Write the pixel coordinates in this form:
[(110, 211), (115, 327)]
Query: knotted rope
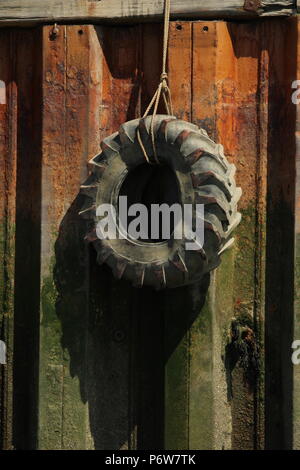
[(162, 89)]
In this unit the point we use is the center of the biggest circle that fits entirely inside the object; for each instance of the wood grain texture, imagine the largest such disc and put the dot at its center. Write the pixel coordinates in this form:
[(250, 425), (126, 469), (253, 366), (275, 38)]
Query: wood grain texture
[(236, 114), (280, 225), (177, 368), (28, 209), (112, 324), (17, 12), (100, 364), (296, 372), (225, 104), (71, 74), (8, 164)]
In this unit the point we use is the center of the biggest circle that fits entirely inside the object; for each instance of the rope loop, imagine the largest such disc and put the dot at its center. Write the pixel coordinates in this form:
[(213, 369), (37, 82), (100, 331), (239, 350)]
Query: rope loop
[(162, 89)]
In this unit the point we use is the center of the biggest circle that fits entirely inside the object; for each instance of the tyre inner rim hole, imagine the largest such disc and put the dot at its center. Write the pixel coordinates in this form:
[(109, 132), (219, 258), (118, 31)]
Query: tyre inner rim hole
[(147, 185)]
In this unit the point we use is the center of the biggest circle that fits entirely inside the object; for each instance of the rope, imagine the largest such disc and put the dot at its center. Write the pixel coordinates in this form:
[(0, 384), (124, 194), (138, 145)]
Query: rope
[(162, 89)]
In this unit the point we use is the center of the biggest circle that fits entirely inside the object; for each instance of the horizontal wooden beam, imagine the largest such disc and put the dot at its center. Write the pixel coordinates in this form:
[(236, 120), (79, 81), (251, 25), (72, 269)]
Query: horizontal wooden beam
[(24, 12)]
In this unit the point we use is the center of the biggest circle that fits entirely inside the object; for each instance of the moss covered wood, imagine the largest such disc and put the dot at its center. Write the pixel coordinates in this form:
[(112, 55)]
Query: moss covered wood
[(7, 234), (161, 347), (107, 366)]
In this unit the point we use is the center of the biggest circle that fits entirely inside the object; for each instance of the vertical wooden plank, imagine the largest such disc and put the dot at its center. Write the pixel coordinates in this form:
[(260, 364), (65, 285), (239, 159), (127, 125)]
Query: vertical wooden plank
[(50, 433), (148, 312), (8, 112), (237, 129), (201, 436), (209, 381), (93, 146), (296, 372), (225, 105), (178, 305), (27, 255), (112, 378), (260, 262), (281, 36), (71, 253), (72, 77)]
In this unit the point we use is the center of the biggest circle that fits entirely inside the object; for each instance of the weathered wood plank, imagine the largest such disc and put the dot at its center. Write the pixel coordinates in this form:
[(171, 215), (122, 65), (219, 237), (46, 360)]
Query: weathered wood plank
[(52, 176), (70, 132), (113, 374), (177, 334), (27, 79), (296, 371), (71, 252), (236, 282), (8, 117), (201, 393), (279, 321), (32, 11), (111, 341)]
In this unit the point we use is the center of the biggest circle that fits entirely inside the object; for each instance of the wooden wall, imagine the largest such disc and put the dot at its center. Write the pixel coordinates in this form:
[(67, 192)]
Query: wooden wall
[(92, 362), (29, 12)]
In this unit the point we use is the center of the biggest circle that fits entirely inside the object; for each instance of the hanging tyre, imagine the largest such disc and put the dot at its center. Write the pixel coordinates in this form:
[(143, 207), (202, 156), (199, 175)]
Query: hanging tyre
[(193, 169)]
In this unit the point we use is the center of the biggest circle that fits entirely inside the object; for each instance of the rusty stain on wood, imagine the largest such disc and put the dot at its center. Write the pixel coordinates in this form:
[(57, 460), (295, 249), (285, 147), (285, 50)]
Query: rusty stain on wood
[(101, 383), (26, 12), (8, 117)]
